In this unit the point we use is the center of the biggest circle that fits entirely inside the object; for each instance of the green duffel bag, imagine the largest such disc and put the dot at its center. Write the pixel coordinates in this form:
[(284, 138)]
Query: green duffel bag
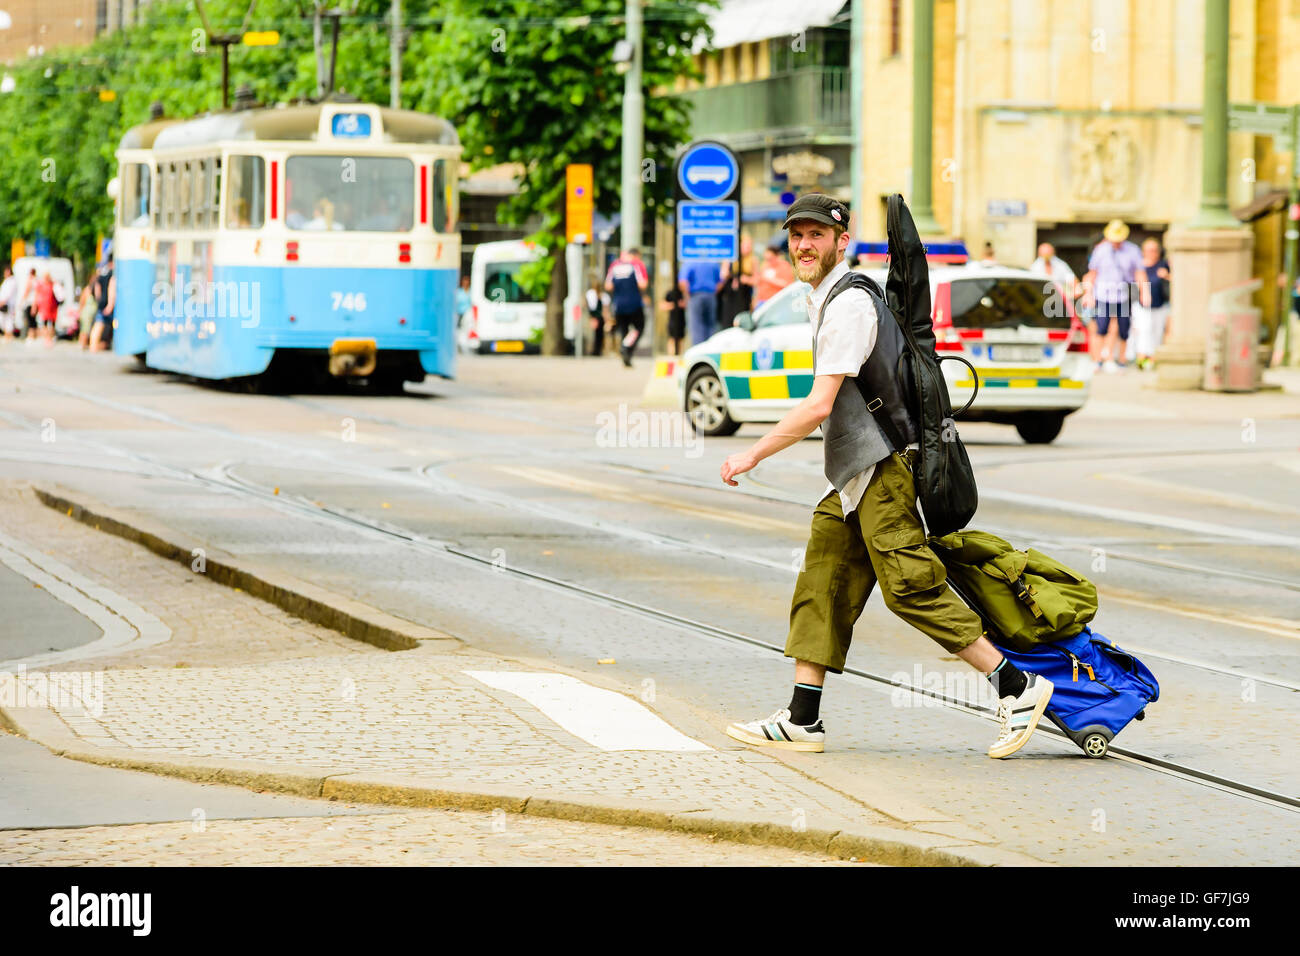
[(1025, 597)]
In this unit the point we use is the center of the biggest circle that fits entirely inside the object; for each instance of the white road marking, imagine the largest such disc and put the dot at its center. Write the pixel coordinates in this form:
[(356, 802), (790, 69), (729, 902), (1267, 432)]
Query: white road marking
[(601, 717), (1224, 498), (1136, 517)]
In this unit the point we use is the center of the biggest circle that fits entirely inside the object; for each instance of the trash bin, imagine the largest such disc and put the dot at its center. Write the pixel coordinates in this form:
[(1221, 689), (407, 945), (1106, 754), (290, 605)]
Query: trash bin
[(1231, 364)]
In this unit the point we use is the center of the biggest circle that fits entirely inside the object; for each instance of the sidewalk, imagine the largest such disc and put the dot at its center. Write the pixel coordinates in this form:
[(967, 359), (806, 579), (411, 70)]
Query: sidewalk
[(443, 725)]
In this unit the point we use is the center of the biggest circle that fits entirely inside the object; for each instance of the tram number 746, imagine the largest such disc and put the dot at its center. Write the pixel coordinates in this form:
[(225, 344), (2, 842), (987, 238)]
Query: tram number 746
[(350, 301)]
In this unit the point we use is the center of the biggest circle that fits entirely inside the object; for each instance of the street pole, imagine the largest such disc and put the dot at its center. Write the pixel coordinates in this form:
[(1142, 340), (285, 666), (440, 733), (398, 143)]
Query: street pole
[(1213, 213), (633, 132), (856, 39), (1292, 236), (923, 117), (395, 58)]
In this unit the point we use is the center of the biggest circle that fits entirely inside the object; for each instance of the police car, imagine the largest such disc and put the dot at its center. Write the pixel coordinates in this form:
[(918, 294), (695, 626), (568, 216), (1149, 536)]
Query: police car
[(1015, 327)]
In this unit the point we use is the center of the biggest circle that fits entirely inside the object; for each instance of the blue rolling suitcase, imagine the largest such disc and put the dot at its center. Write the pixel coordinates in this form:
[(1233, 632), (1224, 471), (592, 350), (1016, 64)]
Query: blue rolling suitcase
[(1099, 687)]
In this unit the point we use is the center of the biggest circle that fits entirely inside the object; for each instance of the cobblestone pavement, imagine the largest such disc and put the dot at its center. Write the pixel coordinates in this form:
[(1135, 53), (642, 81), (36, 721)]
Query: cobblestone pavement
[(418, 713), (420, 838), (210, 624)]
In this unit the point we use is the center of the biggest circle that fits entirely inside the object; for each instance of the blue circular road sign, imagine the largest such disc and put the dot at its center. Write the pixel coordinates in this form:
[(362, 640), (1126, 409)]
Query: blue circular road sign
[(708, 172)]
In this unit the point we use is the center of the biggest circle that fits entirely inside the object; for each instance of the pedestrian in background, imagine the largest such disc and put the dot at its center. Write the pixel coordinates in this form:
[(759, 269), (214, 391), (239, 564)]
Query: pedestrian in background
[(737, 293), (1151, 311), (105, 285), (627, 281), (27, 306), (8, 303), (773, 275), (87, 310), (674, 303), (987, 258), (47, 308), (597, 315), (699, 282), (1049, 264), (1108, 287), (463, 303)]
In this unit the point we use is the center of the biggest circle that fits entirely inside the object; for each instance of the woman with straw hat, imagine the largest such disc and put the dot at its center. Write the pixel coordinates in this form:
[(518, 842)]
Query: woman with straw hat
[(1112, 269)]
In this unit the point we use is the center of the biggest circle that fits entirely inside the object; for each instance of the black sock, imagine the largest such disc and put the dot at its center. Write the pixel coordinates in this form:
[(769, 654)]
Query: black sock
[(1008, 680), (805, 705)]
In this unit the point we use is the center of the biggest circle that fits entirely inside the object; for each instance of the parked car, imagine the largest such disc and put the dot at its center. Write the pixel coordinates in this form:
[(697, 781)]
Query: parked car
[(1021, 335)]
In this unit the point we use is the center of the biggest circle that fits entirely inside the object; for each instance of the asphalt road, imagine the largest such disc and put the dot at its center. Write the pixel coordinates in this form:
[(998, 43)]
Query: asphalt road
[(1179, 507)]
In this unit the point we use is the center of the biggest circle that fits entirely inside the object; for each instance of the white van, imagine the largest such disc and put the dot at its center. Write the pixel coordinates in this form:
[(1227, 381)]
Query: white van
[(65, 287), (503, 317)]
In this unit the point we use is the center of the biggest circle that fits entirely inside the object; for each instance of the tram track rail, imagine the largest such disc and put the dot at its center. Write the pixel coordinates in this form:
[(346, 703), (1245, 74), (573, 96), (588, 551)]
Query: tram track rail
[(225, 478)]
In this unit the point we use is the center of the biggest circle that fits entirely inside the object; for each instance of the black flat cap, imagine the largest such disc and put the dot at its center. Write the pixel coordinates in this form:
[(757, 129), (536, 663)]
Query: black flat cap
[(820, 208)]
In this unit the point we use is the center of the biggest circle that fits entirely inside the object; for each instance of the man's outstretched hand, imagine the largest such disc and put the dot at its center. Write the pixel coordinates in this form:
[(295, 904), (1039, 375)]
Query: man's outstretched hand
[(737, 464)]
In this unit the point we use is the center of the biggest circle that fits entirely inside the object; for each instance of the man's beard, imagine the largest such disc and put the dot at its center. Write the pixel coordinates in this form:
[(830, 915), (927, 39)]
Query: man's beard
[(819, 270)]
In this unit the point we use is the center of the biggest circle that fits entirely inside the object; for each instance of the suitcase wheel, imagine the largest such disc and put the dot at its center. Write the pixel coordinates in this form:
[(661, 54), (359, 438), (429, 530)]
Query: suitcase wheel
[(1095, 745)]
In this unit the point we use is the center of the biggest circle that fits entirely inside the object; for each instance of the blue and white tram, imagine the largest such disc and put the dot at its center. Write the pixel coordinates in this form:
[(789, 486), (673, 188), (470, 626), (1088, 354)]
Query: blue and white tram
[(322, 237)]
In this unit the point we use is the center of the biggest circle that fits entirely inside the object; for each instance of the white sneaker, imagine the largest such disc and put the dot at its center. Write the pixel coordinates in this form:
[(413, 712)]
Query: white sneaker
[(1110, 366), (777, 731), (1019, 716)]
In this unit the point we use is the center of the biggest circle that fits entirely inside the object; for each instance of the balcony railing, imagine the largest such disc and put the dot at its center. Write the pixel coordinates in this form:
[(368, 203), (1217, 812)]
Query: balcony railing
[(815, 98)]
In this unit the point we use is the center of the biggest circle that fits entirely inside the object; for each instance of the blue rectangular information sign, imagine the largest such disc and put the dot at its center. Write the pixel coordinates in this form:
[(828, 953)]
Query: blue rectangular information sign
[(707, 217), (707, 246)]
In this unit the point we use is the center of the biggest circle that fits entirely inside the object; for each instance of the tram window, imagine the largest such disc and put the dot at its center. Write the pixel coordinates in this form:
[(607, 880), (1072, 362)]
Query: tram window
[(201, 194), (214, 192), (169, 197), (444, 198), (135, 195), (185, 191), (245, 192), (366, 193)]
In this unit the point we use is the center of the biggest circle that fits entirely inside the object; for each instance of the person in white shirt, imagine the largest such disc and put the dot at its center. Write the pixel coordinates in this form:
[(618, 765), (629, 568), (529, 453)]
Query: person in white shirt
[(8, 303), (868, 531), (1055, 268)]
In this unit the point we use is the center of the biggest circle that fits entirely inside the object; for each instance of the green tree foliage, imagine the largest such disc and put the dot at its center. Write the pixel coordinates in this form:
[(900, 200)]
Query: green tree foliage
[(533, 82), (526, 81), (69, 108)]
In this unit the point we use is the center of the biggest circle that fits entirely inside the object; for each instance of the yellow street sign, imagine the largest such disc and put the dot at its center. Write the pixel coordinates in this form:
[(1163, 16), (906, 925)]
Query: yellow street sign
[(262, 38), (17, 249), (579, 202)]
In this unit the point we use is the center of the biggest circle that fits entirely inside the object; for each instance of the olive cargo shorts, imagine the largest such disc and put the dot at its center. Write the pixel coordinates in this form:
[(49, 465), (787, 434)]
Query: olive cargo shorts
[(883, 541)]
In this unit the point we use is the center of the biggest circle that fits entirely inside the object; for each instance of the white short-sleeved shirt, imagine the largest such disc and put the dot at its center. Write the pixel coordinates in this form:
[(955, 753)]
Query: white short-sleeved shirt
[(844, 341)]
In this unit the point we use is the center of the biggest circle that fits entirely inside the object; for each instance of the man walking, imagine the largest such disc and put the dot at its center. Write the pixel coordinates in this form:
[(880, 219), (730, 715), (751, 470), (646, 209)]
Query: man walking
[(1112, 269), (626, 281), (867, 528)]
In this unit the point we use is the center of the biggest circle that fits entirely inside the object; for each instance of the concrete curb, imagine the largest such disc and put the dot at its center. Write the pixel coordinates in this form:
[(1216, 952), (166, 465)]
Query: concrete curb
[(877, 844), (350, 618), (873, 844)]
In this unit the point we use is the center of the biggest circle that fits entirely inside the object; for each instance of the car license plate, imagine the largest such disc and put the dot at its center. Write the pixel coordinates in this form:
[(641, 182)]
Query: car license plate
[(1017, 353), (507, 346)]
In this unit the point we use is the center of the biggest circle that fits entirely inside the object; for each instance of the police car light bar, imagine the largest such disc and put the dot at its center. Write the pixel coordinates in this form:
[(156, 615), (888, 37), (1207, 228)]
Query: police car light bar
[(952, 253)]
